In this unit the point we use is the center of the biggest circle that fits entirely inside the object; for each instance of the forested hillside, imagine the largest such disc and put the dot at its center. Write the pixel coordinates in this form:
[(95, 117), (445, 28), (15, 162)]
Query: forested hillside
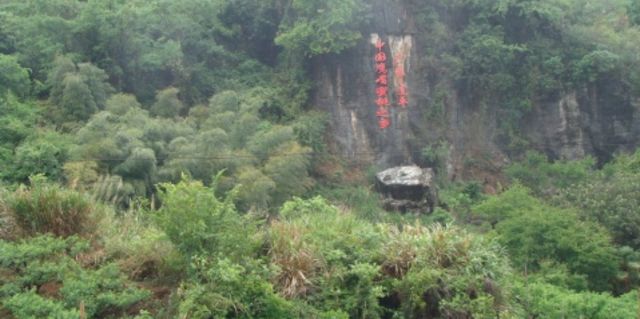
[(218, 158)]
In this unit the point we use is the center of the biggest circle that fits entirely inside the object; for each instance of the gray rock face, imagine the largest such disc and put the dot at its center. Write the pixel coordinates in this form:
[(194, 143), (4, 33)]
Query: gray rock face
[(598, 121), (407, 189), (346, 86), (594, 121)]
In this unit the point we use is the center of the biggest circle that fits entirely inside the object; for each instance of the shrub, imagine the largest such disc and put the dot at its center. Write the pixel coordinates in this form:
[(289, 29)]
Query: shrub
[(41, 153), (8, 227), (332, 260), (611, 199), (141, 250), (102, 291), (436, 156), (49, 208), (198, 222), (534, 232), (443, 272), (542, 300), (29, 305), (224, 289), (516, 200), (326, 256), (547, 178), (63, 284), (363, 201)]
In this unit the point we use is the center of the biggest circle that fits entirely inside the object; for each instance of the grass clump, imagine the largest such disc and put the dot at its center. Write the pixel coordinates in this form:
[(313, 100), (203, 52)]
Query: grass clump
[(48, 208), (330, 259)]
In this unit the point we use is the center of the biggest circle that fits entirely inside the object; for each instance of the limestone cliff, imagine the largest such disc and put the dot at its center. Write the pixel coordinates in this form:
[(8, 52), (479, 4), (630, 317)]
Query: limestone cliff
[(597, 120)]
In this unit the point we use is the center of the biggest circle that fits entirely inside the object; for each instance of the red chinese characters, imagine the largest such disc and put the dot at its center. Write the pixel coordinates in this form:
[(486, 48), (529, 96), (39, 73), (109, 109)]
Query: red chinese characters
[(382, 91), (384, 122), (382, 112), (401, 86), (382, 102), (382, 87), (385, 87), (382, 80)]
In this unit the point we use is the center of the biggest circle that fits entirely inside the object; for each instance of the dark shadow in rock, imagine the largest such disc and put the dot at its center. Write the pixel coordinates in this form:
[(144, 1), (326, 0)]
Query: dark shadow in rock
[(407, 189)]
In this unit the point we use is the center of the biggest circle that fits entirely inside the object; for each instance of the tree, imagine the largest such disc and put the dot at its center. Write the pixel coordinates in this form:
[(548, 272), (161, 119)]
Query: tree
[(17, 120), (611, 198), (255, 189), (77, 91), (319, 27), (547, 178), (40, 31), (265, 142), (140, 164), (77, 102), (167, 103), (13, 77), (287, 167), (97, 81), (42, 153), (62, 65), (120, 104), (633, 10), (226, 101), (17, 123)]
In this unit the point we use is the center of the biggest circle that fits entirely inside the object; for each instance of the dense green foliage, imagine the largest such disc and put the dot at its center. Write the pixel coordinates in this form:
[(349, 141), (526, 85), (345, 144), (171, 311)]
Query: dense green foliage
[(510, 56), (53, 268), (546, 300), (611, 198), (317, 27), (197, 222), (160, 159), (535, 233)]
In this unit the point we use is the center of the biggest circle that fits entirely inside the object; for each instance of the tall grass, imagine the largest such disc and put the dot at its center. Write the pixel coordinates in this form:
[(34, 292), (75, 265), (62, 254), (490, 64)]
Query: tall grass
[(143, 251), (298, 262), (48, 208), (8, 227)]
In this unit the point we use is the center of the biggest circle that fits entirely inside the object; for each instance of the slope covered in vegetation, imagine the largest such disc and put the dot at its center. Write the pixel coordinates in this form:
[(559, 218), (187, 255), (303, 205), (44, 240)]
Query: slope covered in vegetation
[(162, 159)]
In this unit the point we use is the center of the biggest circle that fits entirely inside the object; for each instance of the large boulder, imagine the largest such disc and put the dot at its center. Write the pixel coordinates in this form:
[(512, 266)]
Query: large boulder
[(407, 189)]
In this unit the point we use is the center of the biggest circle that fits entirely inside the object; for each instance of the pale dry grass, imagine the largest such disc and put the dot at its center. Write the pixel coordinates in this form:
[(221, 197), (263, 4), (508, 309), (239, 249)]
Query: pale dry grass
[(400, 249), (142, 251), (9, 229), (296, 260), (436, 246), (47, 208), (108, 189)]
